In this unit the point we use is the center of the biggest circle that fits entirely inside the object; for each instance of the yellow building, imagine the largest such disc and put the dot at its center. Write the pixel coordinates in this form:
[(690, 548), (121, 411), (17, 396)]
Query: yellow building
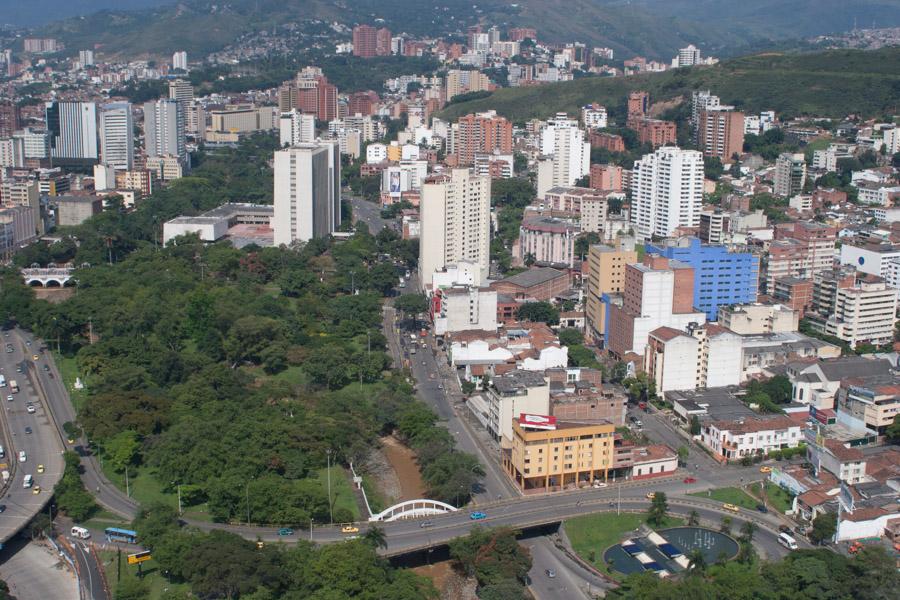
[(394, 153), (604, 274), (546, 460)]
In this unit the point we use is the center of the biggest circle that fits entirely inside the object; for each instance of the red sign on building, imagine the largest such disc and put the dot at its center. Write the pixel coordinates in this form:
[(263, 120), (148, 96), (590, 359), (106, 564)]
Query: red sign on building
[(537, 421)]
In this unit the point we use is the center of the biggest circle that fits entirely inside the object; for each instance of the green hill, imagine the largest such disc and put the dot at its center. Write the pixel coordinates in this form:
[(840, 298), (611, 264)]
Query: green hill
[(828, 84)]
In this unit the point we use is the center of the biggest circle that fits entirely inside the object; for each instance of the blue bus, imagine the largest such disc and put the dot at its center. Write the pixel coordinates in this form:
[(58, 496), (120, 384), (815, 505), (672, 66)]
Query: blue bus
[(114, 534)]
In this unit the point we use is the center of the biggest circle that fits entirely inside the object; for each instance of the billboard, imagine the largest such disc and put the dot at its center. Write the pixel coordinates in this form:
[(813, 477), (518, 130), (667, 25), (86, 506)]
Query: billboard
[(139, 557), (537, 421)]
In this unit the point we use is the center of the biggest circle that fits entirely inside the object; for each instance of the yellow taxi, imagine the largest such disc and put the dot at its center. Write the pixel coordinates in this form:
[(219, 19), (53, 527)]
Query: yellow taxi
[(35, 357), (765, 469), (260, 545), (349, 528), (40, 468), (36, 490), (731, 507), (651, 495)]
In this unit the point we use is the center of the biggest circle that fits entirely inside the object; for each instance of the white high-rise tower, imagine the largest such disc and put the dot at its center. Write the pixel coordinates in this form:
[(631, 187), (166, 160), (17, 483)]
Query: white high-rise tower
[(667, 191)]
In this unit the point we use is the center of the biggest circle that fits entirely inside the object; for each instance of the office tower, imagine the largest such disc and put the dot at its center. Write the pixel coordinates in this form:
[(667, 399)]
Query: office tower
[(73, 132), (9, 118), (117, 136), (790, 174), (667, 191), (721, 277), (296, 127), (482, 133), (164, 129), (179, 60), (307, 192), (604, 274), (720, 132), (182, 91), (455, 223)]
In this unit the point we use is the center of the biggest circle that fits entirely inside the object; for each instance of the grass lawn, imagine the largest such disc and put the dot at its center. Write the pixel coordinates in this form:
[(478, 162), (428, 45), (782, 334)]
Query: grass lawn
[(595, 533), (730, 495), (68, 370), (157, 585), (776, 497), (146, 489), (341, 489)]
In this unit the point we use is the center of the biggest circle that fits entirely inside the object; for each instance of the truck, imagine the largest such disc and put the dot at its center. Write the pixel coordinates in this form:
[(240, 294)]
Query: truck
[(13, 386), (5, 475)]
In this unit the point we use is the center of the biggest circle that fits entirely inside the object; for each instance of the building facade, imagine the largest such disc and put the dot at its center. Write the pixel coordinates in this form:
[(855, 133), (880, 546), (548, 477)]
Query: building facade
[(667, 192), (307, 195)]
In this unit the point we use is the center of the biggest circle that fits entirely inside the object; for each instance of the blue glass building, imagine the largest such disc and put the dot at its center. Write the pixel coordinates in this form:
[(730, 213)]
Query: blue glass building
[(720, 277)]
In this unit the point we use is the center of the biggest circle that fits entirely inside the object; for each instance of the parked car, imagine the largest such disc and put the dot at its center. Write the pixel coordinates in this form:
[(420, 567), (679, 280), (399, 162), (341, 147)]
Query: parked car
[(477, 516)]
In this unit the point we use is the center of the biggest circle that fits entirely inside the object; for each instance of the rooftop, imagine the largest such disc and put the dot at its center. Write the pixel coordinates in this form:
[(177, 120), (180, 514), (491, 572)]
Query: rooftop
[(518, 380), (533, 277)]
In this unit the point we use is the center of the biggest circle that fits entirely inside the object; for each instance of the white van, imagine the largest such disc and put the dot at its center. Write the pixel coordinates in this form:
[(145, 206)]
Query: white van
[(2, 452), (787, 541), (80, 532), (22, 457), (29, 481), (2, 381)]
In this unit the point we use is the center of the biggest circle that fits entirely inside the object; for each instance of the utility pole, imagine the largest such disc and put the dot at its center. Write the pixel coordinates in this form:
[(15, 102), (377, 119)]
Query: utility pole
[(127, 487), (179, 498), (247, 496)]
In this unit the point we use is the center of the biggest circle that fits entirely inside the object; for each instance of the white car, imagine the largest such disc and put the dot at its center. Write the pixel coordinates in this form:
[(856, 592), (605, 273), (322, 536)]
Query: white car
[(10, 397), (22, 457), (31, 409)]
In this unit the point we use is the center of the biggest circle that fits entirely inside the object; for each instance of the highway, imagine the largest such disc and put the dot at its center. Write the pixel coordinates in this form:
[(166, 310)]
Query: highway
[(42, 446), (88, 571)]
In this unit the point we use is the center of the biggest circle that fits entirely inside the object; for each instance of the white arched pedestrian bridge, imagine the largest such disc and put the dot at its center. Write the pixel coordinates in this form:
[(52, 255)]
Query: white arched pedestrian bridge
[(412, 509)]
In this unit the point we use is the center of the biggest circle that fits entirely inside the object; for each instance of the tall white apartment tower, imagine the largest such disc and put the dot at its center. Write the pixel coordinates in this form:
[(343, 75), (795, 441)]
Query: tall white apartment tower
[(117, 136), (296, 127), (182, 91), (307, 192), (179, 60), (164, 128), (562, 140), (455, 223), (667, 191)]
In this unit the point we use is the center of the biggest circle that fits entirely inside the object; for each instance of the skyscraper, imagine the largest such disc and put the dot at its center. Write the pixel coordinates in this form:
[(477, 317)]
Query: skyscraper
[(369, 42), (182, 91), (563, 141), (117, 136), (164, 129), (86, 58), (667, 191), (296, 127), (179, 60), (790, 174), (455, 223), (73, 132), (307, 192)]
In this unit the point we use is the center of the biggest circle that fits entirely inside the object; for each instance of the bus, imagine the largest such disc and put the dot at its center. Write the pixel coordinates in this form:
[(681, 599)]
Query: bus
[(114, 534)]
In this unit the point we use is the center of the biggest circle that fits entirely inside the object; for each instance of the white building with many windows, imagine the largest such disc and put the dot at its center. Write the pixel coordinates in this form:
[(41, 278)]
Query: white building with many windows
[(732, 440), (667, 191)]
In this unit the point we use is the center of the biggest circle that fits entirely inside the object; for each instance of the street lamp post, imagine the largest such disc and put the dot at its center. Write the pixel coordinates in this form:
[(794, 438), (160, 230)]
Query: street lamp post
[(330, 504), (247, 499), (310, 528)]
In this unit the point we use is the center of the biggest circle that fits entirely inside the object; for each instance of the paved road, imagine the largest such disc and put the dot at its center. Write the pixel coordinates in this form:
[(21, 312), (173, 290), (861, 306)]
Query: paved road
[(34, 571), (89, 568), (369, 213), (105, 492), (42, 446), (569, 581)]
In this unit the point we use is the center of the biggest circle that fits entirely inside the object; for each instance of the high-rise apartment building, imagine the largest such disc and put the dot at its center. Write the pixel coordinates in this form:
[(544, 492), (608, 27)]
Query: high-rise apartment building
[(864, 313), (311, 93), (369, 42), (790, 174), (117, 136), (687, 57), (667, 192), (307, 192), (73, 132), (481, 133), (9, 118), (655, 132), (701, 100), (800, 249), (461, 82), (86, 58), (604, 274), (720, 132), (181, 91), (455, 223), (638, 104), (164, 128), (562, 140), (296, 127), (179, 60)]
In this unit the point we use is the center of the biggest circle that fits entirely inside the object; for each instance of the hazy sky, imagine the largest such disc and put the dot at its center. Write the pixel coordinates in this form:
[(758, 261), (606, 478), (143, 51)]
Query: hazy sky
[(39, 12)]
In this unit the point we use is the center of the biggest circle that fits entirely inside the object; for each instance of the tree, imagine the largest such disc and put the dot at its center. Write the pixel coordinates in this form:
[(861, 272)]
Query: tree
[(747, 531), (584, 242), (122, 450), (411, 304), (712, 167), (693, 518), (824, 527), (376, 537), (893, 430), (132, 588), (683, 454), (570, 336), (467, 387), (697, 561), (659, 506), (725, 527), (543, 312)]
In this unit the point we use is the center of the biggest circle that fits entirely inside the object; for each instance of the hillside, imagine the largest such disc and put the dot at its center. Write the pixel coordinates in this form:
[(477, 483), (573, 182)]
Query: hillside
[(654, 28), (833, 83)]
